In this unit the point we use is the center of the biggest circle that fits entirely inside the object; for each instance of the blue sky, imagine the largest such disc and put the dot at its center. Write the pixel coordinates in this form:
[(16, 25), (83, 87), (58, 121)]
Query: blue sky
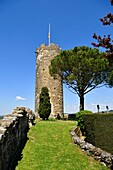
[(24, 27)]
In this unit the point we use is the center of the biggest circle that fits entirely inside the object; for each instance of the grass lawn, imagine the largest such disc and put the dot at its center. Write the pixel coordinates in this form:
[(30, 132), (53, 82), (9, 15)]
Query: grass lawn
[(50, 147)]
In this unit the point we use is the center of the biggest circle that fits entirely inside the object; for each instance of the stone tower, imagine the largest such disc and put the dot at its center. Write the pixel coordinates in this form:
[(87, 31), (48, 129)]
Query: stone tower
[(44, 54)]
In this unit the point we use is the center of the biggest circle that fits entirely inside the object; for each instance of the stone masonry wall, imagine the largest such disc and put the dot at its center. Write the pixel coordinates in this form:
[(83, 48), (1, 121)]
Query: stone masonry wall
[(13, 135), (44, 54)]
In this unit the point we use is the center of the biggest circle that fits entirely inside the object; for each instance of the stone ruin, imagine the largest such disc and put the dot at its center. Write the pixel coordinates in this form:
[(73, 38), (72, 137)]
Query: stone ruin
[(13, 135)]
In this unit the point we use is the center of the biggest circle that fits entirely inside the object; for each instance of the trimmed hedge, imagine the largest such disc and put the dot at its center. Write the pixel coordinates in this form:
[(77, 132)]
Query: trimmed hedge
[(72, 116), (99, 130)]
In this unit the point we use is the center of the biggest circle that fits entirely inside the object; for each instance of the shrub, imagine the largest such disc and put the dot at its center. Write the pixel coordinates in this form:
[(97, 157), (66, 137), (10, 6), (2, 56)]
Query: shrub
[(79, 118), (72, 116), (44, 104), (52, 119), (58, 116)]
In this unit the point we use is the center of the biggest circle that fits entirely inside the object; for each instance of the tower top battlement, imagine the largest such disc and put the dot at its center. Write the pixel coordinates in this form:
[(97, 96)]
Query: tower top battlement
[(52, 46)]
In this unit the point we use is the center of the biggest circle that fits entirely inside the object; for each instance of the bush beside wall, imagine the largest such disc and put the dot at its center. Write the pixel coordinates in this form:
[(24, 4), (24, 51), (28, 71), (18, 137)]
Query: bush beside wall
[(72, 116), (99, 130)]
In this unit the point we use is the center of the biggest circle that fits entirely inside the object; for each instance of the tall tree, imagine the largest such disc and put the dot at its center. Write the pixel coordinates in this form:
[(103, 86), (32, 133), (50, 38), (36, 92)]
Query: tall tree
[(82, 69), (44, 104)]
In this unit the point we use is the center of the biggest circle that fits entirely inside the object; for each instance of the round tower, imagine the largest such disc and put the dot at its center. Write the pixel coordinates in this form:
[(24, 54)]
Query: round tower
[(44, 55)]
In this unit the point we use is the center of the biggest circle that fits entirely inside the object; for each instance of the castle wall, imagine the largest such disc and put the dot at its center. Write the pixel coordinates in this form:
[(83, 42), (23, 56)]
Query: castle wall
[(43, 58), (13, 135)]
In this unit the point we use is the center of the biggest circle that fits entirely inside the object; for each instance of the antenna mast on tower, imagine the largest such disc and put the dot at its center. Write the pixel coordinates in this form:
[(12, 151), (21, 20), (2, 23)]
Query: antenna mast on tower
[(49, 36)]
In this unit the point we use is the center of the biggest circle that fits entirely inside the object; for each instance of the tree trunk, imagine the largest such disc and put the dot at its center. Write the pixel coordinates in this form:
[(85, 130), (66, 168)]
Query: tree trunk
[(82, 102)]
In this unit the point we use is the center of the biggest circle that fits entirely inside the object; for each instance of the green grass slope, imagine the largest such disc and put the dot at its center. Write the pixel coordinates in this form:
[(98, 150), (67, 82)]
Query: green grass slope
[(50, 147)]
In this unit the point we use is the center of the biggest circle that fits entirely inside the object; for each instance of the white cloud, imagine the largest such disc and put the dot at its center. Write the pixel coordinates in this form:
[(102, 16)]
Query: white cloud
[(20, 98), (71, 108), (93, 107)]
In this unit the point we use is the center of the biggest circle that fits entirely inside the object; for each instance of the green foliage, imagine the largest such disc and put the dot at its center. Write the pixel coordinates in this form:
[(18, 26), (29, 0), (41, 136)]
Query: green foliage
[(44, 104), (82, 69), (72, 116), (99, 130), (52, 119), (79, 118), (1, 117)]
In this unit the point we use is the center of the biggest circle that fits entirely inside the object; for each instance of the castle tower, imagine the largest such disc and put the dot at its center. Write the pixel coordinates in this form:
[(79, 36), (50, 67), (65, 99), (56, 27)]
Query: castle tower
[(44, 54)]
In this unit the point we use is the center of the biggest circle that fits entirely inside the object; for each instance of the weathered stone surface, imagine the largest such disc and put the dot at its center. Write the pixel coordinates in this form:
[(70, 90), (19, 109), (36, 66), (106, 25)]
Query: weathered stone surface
[(104, 157), (44, 55), (13, 134)]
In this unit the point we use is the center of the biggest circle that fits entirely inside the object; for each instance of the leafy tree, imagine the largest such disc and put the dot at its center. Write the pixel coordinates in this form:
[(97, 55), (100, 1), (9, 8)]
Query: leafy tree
[(82, 69), (111, 2), (107, 43), (44, 104)]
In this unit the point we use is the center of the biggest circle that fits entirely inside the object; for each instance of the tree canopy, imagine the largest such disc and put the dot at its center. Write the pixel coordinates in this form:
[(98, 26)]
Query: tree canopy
[(106, 41), (82, 69)]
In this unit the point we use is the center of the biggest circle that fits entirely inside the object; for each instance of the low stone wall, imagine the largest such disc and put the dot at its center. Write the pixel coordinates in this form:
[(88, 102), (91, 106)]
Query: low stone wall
[(98, 154), (13, 135)]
